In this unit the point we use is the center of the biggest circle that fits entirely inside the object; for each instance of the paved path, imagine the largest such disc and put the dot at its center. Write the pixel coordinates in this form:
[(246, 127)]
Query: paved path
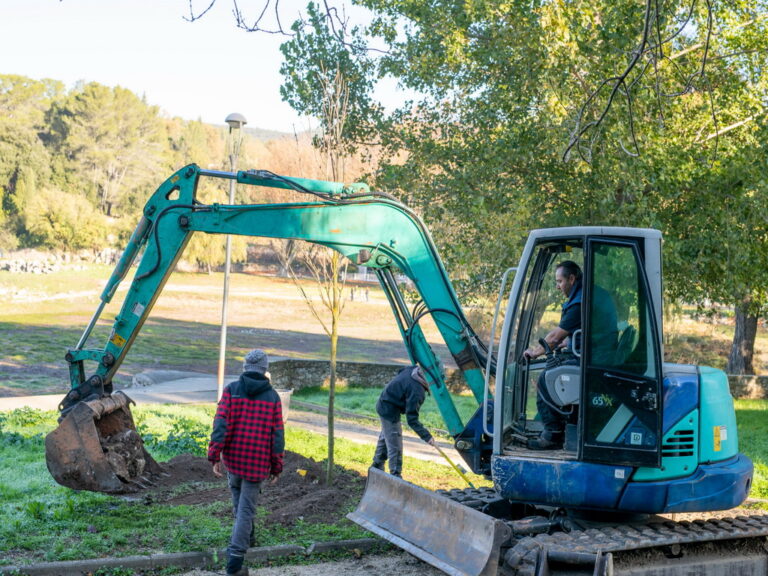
[(202, 389)]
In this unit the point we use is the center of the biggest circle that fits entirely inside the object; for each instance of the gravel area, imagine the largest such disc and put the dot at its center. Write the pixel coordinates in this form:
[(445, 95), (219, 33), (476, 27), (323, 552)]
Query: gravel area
[(399, 563)]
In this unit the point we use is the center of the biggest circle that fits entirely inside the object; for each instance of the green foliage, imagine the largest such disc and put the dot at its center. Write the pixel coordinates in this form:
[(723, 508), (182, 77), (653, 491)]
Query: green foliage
[(753, 440), (171, 430), (111, 142), (35, 509), (313, 57), (55, 219), (98, 149), (114, 571), (24, 417), (504, 87), (186, 436)]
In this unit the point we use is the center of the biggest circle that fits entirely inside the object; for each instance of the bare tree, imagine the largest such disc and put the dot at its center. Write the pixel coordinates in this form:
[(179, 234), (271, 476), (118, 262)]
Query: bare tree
[(266, 16), (647, 58), (328, 267)]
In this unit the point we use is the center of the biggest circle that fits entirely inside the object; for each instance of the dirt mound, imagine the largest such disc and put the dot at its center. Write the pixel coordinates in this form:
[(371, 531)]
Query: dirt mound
[(300, 492)]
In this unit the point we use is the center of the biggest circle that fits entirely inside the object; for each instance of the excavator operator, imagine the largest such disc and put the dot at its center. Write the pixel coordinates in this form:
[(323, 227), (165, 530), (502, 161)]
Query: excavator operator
[(568, 279)]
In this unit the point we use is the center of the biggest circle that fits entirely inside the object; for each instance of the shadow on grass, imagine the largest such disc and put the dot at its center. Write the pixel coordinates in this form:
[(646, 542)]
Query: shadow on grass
[(32, 355)]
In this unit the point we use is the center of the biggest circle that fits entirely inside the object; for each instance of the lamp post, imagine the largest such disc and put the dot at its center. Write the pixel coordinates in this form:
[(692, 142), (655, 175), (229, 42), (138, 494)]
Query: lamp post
[(236, 122)]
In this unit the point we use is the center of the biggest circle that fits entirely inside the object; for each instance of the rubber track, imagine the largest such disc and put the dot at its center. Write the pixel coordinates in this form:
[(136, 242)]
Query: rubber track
[(521, 557)]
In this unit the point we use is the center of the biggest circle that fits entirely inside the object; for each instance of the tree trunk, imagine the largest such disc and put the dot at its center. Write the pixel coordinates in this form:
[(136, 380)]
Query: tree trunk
[(743, 346), (286, 252), (335, 306), (331, 400)]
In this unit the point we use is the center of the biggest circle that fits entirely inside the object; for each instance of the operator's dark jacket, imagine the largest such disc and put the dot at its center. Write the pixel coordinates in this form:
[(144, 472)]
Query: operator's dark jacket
[(248, 429), (404, 395)]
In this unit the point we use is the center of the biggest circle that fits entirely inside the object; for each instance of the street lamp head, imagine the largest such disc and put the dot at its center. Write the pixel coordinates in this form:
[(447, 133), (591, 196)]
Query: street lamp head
[(236, 120)]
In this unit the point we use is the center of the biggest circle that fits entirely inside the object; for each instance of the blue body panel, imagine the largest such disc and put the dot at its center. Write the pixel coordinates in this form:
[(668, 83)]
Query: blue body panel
[(719, 486), (567, 483), (582, 485)]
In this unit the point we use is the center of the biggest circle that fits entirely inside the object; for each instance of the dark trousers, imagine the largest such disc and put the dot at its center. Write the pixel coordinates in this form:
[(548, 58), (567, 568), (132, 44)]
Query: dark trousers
[(554, 422), (390, 447), (245, 495)]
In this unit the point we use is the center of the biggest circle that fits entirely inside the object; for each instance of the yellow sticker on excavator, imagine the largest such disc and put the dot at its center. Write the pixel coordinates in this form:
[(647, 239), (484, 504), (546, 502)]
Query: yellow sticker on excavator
[(717, 438), (117, 340)]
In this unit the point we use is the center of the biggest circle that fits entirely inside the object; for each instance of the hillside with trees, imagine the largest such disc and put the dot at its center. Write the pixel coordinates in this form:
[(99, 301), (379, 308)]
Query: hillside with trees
[(76, 166)]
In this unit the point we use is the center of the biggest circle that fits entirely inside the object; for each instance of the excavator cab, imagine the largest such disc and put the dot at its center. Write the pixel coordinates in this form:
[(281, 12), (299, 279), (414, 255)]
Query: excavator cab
[(606, 384)]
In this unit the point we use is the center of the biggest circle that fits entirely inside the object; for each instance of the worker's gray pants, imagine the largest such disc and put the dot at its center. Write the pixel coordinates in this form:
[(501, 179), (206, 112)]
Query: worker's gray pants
[(245, 494), (390, 447)]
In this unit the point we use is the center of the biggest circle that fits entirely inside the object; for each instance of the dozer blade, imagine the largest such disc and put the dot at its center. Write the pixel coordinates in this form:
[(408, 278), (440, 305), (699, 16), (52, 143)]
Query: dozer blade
[(96, 447), (456, 539)]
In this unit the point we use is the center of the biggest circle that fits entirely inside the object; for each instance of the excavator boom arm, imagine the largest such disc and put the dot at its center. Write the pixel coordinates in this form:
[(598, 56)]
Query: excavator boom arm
[(369, 229)]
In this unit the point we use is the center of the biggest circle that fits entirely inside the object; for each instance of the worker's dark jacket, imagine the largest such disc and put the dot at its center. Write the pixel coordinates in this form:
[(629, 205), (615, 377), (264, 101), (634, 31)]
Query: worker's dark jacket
[(248, 429), (404, 395), (603, 323)]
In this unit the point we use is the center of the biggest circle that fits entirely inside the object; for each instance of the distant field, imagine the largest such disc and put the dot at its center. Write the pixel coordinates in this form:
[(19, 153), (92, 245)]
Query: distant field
[(41, 316)]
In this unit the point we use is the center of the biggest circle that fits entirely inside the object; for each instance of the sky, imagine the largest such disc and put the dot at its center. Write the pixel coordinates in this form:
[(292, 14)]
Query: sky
[(203, 70)]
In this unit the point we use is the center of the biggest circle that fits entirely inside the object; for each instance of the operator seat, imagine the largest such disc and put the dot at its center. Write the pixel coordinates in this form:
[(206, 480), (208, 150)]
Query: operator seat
[(564, 382)]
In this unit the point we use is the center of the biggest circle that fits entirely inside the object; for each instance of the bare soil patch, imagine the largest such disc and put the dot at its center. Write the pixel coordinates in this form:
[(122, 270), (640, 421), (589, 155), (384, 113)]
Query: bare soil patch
[(300, 492)]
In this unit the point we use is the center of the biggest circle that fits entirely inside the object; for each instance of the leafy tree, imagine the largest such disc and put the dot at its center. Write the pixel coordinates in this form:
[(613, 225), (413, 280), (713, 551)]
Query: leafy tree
[(659, 99), (314, 57), (504, 85), (24, 160), (63, 221), (195, 142), (331, 103), (111, 144)]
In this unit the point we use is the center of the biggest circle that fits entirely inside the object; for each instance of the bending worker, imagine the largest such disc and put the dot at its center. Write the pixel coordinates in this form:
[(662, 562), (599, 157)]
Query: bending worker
[(404, 394)]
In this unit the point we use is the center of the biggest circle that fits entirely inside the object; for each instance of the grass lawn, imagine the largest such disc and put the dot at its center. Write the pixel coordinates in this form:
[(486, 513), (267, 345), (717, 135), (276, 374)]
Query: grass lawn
[(752, 419), (41, 521), (41, 316), (363, 401)]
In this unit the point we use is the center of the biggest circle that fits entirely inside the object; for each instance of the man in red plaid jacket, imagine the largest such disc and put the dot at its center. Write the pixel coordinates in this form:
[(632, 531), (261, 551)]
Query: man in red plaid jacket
[(248, 437)]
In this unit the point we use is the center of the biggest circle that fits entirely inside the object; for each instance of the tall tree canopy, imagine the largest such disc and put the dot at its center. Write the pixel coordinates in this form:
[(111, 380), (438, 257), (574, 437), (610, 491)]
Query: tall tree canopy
[(111, 141), (660, 108)]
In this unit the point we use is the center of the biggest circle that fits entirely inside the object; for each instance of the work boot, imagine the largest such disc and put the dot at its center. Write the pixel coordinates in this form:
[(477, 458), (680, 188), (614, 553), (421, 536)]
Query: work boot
[(545, 443), (235, 566)]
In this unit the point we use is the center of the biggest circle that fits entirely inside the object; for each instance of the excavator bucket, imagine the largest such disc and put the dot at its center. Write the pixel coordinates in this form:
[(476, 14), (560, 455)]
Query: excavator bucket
[(456, 539), (96, 447)]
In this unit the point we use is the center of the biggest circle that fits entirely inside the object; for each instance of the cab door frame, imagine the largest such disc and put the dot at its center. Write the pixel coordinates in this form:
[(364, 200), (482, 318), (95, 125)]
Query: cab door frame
[(620, 419)]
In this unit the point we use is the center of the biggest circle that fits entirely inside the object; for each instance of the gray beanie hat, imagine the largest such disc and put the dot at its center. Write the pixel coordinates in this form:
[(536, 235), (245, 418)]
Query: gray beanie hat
[(256, 361)]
